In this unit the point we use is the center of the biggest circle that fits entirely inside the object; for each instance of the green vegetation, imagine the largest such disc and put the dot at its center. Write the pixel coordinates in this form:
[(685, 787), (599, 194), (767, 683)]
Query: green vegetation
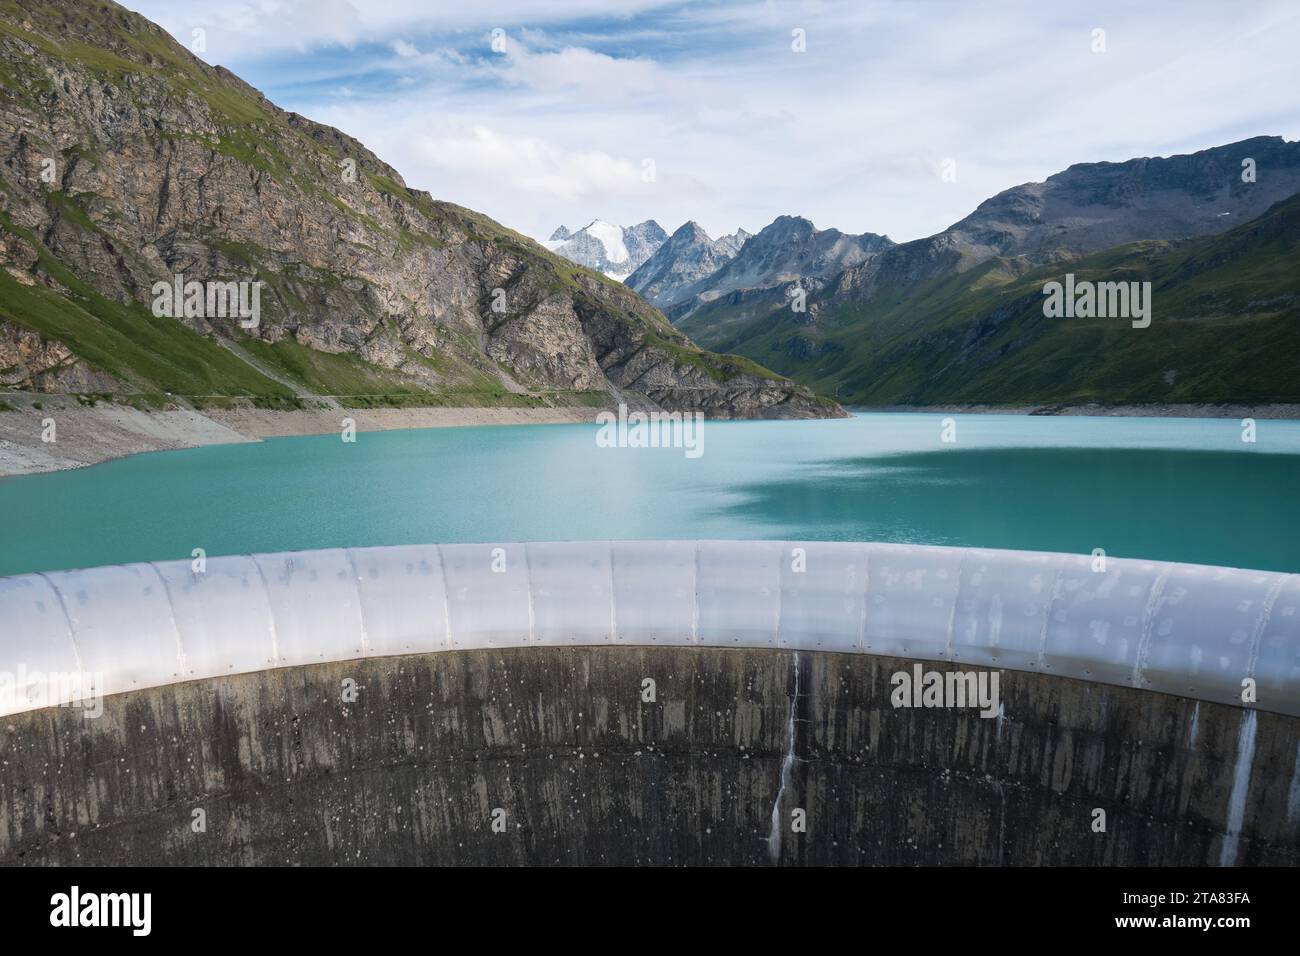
[(160, 360), (69, 207), (719, 367), (127, 341), (137, 51), (329, 373), (1225, 328), (202, 402), (388, 186)]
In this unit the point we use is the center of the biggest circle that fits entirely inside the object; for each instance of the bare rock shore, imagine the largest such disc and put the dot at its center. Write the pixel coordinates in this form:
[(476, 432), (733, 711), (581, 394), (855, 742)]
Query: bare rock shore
[(84, 435)]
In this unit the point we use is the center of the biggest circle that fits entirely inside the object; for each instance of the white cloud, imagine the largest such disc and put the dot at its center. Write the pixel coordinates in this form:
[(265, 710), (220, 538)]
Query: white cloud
[(531, 165), (852, 133), (243, 28), (576, 69)]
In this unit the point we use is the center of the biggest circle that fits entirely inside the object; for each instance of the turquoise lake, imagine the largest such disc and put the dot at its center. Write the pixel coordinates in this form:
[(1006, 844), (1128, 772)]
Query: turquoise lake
[(1173, 489)]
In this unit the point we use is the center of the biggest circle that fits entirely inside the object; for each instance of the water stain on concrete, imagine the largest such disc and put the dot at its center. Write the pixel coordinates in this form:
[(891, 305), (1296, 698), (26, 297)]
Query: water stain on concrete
[(585, 772)]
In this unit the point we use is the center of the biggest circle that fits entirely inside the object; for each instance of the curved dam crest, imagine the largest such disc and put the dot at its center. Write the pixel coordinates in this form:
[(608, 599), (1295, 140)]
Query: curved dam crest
[(488, 704), (1191, 630)]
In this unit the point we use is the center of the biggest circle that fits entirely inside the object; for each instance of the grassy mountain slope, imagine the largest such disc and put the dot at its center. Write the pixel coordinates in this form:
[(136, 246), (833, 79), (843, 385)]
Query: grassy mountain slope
[(125, 160), (908, 301), (1225, 328)]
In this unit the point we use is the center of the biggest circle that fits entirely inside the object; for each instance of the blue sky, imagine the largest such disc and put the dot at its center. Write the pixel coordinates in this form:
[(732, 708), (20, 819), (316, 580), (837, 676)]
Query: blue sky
[(564, 119)]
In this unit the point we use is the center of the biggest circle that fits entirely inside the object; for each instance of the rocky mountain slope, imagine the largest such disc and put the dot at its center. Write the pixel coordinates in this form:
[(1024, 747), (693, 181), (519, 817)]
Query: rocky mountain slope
[(616, 251), (688, 256), (908, 291), (790, 252), (1094, 206), (1225, 329), (125, 162)]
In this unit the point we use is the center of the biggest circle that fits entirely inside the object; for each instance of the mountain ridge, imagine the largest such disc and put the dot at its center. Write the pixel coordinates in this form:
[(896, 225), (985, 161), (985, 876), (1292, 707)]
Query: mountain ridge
[(1225, 330), (125, 160), (612, 250), (682, 276), (687, 256), (905, 289)]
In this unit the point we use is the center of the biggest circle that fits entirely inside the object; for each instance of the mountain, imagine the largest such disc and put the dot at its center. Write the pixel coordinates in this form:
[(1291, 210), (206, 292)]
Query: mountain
[(1095, 206), (902, 296), (686, 275), (126, 162), (616, 251), (641, 241), (791, 248), (1225, 328), (687, 256), (731, 244)]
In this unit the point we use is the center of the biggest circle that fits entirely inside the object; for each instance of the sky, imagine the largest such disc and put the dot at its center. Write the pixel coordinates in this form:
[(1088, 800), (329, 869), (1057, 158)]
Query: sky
[(892, 117)]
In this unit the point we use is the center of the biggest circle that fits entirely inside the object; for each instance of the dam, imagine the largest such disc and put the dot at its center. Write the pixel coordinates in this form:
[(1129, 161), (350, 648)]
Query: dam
[(649, 702)]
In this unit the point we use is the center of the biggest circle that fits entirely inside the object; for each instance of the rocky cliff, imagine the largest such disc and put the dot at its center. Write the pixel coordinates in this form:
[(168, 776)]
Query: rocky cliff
[(789, 252), (126, 162), (688, 256)]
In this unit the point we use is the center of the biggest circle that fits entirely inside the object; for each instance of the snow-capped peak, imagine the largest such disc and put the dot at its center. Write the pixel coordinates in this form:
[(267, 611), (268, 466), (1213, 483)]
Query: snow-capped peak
[(608, 248), (611, 237)]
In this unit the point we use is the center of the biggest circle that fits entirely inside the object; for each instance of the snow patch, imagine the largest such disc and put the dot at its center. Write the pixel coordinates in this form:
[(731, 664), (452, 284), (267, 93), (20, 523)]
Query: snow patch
[(611, 237)]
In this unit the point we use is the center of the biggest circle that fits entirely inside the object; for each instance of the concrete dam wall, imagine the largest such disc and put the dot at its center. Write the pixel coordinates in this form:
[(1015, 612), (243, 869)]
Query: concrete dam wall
[(649, 702)]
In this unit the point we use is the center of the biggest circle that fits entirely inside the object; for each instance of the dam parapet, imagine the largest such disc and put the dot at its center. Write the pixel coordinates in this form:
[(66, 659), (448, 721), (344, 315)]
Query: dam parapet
[(1196, 631), (654, 702)]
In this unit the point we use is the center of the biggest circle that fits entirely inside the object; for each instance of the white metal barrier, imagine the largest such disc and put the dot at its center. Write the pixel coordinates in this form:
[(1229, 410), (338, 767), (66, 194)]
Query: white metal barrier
[(1190, 630)]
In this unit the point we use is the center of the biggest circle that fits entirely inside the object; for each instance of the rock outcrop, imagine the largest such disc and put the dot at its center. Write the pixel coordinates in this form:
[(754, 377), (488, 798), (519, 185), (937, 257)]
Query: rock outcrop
[(687, 257), (126, 162), (692, 270)]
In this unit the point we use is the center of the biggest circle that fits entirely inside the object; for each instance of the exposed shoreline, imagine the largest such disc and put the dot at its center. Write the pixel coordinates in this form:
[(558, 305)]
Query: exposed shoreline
[(88, 435)]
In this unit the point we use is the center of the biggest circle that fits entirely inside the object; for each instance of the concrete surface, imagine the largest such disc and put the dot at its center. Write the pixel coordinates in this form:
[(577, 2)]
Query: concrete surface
[(586, 772)]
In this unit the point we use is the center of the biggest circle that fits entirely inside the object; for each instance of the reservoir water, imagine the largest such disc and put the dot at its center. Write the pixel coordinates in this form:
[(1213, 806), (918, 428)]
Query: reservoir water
[(1172, 489)]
